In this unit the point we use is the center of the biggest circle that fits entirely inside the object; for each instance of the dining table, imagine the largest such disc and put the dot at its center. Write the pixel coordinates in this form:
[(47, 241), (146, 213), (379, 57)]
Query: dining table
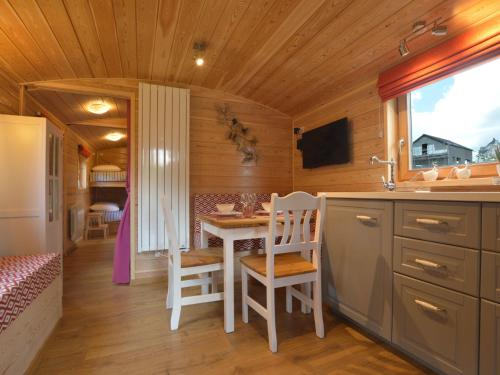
[(231, 229)]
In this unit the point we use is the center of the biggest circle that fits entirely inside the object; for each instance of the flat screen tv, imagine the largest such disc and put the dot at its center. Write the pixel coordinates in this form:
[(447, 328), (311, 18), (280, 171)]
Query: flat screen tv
[(326, 145)]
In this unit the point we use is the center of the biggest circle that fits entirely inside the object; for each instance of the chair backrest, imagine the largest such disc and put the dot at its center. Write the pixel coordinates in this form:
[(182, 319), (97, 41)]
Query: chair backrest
[(298, 208), (173, 242)]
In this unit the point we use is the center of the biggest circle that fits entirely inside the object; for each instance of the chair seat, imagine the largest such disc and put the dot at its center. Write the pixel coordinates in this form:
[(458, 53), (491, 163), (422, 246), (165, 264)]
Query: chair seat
[(284, 264), (201, 257)]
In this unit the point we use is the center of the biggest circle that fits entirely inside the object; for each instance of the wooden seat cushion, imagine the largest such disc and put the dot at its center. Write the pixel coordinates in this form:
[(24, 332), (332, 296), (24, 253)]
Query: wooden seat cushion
[(284, 264), (201, 257)]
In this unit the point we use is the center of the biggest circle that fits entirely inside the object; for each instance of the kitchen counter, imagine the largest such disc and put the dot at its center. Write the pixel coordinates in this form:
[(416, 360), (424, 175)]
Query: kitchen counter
[(419, 196)]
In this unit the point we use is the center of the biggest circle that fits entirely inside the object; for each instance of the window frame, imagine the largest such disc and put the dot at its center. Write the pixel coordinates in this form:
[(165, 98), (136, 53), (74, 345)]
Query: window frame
[(405, 173)]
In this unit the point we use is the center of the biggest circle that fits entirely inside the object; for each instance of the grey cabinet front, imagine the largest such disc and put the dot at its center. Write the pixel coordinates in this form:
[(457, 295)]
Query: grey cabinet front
[(489, 357), (491, 226), (357, 262), (437, 325), (490, 276)]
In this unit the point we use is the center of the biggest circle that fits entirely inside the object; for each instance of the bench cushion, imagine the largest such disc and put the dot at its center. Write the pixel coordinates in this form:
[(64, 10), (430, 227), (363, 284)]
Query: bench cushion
[(22, 279)]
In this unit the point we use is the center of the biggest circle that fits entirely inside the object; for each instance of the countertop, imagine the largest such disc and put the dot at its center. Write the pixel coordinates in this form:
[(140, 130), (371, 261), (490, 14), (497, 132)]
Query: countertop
[(421, 196)]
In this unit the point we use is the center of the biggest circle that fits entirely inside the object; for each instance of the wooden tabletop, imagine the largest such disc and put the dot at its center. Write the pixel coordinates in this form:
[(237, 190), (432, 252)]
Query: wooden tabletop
[(235, 221)]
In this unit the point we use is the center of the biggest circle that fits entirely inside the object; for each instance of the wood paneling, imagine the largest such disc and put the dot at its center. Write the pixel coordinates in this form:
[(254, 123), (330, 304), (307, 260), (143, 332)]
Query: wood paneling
[(73, 195), (116, 156), (127, 332), (95, 136), (293, 55)]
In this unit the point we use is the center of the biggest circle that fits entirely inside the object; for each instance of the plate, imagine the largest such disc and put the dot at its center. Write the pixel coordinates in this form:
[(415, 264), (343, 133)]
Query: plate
[(232, 213), (264, 212)]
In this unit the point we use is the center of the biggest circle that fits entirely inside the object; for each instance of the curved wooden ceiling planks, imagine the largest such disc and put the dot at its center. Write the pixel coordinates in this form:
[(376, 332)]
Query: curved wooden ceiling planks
[(291, 55)]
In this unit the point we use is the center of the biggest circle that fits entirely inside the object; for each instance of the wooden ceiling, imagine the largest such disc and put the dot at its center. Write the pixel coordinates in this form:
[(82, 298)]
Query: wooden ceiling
[(291, 55), (71, 109)]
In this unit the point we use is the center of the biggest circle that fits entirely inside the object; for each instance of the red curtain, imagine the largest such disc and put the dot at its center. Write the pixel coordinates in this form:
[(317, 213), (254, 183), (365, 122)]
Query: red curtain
[(475, 45)]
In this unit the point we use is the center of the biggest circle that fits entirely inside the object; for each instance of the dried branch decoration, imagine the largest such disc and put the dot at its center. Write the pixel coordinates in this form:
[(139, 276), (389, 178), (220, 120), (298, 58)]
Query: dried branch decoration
[(238, 134)]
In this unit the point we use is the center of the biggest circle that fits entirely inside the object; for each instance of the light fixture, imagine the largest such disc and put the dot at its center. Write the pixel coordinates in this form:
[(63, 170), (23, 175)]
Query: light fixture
[(439, 30), (114, 137), (98, 107), (419, 27), (403, 48), (199, 53)]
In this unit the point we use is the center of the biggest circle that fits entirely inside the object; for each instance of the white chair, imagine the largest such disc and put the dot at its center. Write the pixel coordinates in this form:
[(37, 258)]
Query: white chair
[(182, 262), (95, 223), (287, 263)]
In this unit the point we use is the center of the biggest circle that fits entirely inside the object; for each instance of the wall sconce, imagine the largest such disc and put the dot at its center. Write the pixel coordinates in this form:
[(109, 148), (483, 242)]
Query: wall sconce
[(199, 53)]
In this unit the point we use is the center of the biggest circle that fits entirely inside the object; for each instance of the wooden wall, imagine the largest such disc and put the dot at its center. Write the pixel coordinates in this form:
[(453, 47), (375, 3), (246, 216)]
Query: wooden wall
[(72, 195), (364, 110), (116, 156)]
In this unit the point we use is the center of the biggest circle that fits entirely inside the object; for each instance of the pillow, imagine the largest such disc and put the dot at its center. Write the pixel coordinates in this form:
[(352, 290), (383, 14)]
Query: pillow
[(106, 168), (105, 206)]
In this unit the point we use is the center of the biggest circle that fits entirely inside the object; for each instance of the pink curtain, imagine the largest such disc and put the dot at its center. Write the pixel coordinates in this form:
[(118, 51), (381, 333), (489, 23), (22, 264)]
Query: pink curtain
[(121, 261)]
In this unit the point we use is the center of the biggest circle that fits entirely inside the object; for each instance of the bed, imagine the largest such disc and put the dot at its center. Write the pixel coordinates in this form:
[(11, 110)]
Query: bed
[(107, 173), (30, 307)]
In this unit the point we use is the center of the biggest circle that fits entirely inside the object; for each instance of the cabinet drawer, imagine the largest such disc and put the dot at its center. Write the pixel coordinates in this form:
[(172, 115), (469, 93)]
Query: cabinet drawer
[(437, 325), (491, 226), (449, 266), (489, 347), (490, 276), (454, 223)]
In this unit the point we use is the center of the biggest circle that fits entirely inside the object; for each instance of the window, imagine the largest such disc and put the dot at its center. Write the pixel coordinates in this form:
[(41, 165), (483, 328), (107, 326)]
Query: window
[(82, 172), (451, 121)]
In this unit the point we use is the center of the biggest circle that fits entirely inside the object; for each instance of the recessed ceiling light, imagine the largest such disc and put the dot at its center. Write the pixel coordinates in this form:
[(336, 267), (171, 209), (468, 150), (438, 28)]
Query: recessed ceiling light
[(199, 53), (98, 107), (114, 137)]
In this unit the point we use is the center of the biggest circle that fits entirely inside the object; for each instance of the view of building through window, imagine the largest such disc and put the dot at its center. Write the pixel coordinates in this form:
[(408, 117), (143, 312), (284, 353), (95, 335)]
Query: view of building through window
[(457, 119)]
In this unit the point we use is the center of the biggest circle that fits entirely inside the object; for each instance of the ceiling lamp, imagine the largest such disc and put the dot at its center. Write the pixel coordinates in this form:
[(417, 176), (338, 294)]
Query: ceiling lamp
[(98, 107), (114, 137), (403, 48), (199, 53), (439, 30), (420, 28)]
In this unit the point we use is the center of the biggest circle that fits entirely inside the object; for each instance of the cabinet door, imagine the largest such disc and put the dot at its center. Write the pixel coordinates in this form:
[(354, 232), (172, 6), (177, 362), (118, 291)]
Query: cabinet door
[(357, 262), (489, 358), (437, 325), (490, 276), (491, 226)]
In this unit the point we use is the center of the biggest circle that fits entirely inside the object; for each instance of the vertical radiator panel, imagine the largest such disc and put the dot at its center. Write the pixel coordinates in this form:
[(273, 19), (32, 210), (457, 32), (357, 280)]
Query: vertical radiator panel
[(164, 163)]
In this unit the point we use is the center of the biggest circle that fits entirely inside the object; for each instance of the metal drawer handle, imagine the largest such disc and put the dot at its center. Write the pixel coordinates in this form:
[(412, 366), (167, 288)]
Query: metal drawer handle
[(365, 219), (428, 306), (429, 264), (426, 221)]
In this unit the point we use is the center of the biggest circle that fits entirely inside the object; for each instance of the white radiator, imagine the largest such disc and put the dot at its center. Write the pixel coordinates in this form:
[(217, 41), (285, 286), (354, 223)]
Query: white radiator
[(76, 223), (163, 163)]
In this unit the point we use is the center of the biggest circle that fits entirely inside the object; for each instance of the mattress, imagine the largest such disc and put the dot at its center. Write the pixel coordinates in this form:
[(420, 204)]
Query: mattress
[(111, 216), (108, 176), (22, 280)]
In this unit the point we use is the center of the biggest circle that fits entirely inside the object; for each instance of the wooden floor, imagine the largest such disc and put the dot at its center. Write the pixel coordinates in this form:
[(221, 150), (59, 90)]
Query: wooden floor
[(108, 329)]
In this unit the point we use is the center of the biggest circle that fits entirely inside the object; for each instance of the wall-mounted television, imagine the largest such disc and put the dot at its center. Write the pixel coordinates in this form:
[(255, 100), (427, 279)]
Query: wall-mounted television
[(326, 145)]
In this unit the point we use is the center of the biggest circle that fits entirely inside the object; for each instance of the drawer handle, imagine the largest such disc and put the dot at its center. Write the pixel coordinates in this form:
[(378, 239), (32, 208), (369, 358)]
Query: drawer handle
[(428, 306), (426, 221), (366, 219), (429, 264)]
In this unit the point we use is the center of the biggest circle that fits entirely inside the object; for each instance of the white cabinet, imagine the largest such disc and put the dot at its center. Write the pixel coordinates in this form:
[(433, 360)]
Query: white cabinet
[(30, 186)]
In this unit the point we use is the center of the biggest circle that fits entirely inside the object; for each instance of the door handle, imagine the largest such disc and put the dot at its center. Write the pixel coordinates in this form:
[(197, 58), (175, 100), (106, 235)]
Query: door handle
[(429, 264), (366, 219), (426, 221), (429, 306)]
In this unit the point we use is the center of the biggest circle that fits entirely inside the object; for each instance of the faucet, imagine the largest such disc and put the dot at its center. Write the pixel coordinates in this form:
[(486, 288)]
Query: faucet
[(391, 185)]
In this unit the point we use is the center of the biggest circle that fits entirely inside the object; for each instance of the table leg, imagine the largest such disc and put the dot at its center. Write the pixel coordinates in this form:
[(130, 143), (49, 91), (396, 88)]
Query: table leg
[(203, 237), (228, 285)]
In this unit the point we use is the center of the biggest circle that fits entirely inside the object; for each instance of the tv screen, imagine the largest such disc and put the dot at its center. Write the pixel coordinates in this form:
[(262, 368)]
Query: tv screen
[(328, 144)]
